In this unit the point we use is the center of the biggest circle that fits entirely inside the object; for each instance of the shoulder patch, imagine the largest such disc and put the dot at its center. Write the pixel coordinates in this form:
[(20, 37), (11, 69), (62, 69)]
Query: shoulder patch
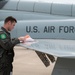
[(3, 36)]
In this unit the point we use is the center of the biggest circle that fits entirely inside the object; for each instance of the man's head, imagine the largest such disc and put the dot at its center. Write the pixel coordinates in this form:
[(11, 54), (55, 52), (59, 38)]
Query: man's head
[(9, 23)]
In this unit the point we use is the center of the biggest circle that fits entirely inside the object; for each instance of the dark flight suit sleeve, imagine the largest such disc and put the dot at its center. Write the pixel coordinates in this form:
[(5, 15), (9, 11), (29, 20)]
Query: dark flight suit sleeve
[(7, 43)]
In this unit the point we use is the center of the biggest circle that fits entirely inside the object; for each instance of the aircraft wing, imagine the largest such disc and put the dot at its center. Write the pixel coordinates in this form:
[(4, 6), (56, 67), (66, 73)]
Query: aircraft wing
[(63, 49), (55, 47)]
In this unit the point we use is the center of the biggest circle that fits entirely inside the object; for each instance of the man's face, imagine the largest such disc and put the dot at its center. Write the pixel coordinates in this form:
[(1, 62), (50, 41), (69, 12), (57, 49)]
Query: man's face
[(11, 25)]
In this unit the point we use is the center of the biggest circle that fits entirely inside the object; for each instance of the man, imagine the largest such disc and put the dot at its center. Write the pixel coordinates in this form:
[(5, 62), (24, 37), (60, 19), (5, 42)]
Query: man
[(6, 46)]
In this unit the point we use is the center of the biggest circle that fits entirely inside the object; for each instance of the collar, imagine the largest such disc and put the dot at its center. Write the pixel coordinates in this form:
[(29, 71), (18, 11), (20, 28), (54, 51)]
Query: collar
[(5, 30)]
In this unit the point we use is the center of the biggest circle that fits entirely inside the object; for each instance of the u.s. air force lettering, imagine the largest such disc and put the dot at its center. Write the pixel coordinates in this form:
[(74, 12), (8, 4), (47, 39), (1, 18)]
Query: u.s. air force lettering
[(50, 29)]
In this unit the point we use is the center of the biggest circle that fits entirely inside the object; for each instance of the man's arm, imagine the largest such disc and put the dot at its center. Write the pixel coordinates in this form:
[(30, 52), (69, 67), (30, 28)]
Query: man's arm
[(7, 43)]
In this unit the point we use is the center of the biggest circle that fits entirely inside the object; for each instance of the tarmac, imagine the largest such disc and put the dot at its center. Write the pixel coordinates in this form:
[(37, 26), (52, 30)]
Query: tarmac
[(26, 62)]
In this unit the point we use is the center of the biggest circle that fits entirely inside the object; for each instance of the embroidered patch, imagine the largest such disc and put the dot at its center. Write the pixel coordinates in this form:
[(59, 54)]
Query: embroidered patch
[(3, 36)]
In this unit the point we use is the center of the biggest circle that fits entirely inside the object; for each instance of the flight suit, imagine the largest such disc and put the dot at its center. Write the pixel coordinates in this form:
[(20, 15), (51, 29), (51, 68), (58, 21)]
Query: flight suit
[(6, 51)]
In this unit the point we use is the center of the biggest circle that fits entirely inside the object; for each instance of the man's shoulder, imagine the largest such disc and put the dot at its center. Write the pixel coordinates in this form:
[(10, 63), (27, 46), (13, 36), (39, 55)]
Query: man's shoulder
[(1, 31), (2, 34)]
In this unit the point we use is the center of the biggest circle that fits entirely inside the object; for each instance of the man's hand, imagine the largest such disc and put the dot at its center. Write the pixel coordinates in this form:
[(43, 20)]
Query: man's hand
[(22, 39)]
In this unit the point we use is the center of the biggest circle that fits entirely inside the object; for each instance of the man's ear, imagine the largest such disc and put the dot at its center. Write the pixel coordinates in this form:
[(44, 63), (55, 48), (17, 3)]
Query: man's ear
[(9, 22)]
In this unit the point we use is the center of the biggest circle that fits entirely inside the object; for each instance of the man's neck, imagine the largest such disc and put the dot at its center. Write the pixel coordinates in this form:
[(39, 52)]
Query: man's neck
[(5, 28)]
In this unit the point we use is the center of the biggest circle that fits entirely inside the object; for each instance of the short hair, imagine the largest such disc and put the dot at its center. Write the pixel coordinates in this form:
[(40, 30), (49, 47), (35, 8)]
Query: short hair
[(10, 18)]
